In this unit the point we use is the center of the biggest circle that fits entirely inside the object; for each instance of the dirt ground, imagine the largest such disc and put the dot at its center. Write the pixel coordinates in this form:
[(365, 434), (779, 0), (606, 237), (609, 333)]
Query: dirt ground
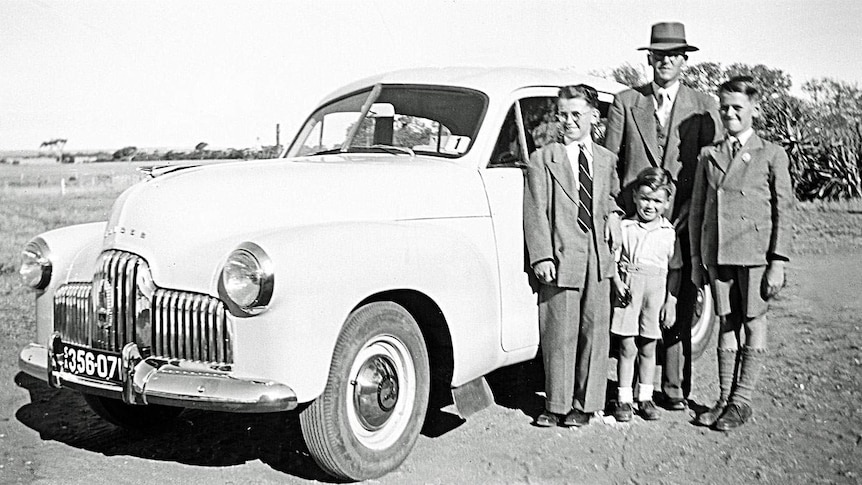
[(807, 426)]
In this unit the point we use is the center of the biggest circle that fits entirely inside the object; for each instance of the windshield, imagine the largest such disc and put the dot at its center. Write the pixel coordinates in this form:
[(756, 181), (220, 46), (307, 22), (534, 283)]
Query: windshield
[(397, 119)]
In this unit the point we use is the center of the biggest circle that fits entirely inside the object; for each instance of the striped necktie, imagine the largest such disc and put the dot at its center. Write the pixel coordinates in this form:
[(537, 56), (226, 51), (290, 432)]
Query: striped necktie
[(585, 192)]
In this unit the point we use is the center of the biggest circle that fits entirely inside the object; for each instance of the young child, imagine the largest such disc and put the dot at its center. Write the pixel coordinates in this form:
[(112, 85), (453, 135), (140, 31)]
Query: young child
[(740, 231), (648, 272)]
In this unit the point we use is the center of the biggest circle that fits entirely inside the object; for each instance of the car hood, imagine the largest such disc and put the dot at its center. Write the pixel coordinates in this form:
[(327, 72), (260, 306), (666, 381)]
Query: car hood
[(187, 221)]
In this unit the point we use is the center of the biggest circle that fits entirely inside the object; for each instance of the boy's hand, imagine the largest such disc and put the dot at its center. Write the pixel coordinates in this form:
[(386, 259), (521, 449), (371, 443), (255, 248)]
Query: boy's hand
[(773, 279), (545, 271), (667, 316)]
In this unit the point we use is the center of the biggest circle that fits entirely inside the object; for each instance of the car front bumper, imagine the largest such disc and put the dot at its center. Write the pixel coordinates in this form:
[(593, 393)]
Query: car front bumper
[(160, 381)]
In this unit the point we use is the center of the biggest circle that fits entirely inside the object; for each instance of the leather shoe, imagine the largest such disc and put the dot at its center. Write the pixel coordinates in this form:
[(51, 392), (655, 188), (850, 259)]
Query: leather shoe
[(710, 416), (623, 412), (648, 411), (674, 403), (546, 420), (735, 415), (576, 418)]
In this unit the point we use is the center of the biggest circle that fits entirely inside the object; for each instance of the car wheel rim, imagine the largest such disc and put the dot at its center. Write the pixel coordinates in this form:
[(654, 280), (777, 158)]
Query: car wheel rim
[(702, 305), (382, 388)]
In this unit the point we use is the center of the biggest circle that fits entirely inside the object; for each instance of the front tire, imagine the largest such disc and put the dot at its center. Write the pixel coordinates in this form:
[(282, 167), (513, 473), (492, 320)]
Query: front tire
[(373, 406), (151, 417)]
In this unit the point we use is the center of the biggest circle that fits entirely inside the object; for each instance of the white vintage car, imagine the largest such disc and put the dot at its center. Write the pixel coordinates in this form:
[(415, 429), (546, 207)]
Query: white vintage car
[(383, 250)]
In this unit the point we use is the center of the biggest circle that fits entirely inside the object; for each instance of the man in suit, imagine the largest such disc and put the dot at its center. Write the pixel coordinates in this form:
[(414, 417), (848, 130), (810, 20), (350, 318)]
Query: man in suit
[(665, 124), (570, 214)]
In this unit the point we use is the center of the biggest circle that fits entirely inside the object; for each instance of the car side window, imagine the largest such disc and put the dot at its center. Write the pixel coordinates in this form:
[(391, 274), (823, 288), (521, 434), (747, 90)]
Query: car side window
[(507, 151)]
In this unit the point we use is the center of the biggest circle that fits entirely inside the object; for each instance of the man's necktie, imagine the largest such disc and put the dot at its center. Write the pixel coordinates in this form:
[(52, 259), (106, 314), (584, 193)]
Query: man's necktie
[(662, 111), (735, 146), (585, 192)]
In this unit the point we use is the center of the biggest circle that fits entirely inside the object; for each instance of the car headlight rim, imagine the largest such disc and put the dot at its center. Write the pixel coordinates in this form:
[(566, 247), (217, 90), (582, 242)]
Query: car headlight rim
[(248, 278), (36, 266)]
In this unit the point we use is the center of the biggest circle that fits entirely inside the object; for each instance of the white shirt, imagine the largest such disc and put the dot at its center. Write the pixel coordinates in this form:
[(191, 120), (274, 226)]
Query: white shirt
[(671, 92), (668, 96), (742, 137), (653, 247), (573, 150)]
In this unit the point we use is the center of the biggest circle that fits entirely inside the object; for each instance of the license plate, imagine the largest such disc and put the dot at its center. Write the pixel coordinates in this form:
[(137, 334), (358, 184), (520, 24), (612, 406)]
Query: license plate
[(91, 363)]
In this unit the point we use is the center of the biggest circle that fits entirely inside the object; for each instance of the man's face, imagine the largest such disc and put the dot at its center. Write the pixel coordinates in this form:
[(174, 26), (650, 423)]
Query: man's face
[(666, 66), (576, 118), (737, 111)]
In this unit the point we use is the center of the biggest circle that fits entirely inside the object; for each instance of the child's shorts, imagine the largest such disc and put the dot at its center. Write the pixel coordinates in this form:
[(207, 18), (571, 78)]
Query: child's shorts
[(641, 316), (736, 289)]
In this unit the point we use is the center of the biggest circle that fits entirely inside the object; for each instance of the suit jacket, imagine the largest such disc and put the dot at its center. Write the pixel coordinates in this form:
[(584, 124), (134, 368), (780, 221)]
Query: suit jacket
[(631, 134), (741, 207), (551, 209)]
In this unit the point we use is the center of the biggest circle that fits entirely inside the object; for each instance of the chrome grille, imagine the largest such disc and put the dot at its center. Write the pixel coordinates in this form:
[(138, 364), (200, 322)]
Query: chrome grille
[(73, 314), (102, 314), (190, 326)]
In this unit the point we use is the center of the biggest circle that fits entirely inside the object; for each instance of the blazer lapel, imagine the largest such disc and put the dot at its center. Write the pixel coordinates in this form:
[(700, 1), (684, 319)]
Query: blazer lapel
[(739, 165), (644, 115), (561, 169), (602, 165), (721, 160)]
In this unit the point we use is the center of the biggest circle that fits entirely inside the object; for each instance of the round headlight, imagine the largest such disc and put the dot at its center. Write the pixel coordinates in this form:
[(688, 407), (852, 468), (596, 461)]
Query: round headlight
[(248, 278), (35, 265)]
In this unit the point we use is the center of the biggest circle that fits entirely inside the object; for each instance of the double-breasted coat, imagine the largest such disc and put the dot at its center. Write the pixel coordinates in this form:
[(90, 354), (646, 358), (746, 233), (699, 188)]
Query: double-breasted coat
[(741, 206)]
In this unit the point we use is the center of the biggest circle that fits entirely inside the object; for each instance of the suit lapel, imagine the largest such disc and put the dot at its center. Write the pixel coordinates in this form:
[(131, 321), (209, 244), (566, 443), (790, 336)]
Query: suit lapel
[(644, 115), (739, 165), (720, 158), (561, 169), (602, 162), (683, 107)]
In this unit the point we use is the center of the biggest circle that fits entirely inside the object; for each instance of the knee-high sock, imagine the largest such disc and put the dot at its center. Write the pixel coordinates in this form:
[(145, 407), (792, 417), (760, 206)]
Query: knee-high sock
[(728, 362), (749, 372)]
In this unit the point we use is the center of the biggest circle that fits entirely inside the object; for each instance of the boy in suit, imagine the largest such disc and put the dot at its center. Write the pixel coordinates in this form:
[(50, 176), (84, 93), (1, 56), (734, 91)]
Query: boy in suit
[(665, 124), (570, 214), (740, 232)]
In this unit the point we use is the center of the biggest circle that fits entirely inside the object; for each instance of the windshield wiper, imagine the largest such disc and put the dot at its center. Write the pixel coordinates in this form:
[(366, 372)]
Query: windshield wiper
[(394, 149)]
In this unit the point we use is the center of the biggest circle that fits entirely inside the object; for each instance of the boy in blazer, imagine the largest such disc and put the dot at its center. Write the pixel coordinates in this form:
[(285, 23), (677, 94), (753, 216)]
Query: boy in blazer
[(740, 232), (665, 124), (570, 214)]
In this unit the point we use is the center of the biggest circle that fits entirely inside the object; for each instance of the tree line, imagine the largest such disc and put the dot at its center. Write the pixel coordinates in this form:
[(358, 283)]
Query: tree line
[(820, 130)]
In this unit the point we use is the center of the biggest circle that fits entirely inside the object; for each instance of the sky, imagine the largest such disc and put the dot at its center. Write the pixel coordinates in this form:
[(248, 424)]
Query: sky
[(110, 74)]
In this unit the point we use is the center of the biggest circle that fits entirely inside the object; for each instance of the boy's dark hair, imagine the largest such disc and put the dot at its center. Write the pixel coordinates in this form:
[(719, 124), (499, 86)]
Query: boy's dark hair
[(656, 179), (580, 91), (740, 84)]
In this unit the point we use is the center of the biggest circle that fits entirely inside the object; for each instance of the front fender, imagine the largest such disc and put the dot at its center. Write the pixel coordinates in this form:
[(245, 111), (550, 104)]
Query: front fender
[(73, 251), (323, 272)]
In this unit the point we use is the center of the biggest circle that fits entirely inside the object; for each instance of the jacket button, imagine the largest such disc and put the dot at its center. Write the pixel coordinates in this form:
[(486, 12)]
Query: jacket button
[(742, 217), (741, 192)]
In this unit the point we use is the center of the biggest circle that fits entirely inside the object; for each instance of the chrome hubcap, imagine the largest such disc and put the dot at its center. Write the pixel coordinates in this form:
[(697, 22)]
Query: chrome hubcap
[(375, 391)]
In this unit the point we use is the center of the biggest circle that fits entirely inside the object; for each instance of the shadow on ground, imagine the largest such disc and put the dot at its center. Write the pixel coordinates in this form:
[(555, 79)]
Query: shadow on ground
[(199, 438)]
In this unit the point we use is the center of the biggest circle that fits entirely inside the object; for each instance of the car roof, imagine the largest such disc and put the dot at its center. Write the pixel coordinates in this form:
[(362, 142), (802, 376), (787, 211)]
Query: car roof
[(493, 81)]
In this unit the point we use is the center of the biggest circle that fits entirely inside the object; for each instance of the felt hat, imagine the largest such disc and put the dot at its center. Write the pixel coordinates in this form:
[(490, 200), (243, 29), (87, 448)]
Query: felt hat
[(668, 36)]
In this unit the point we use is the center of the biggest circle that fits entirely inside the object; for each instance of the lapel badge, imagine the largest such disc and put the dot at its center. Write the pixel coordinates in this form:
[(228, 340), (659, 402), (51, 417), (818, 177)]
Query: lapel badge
[(746, 157)]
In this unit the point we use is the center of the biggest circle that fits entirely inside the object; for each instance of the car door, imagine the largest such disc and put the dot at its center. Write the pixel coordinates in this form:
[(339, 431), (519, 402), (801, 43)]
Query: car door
[(503, 178)]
